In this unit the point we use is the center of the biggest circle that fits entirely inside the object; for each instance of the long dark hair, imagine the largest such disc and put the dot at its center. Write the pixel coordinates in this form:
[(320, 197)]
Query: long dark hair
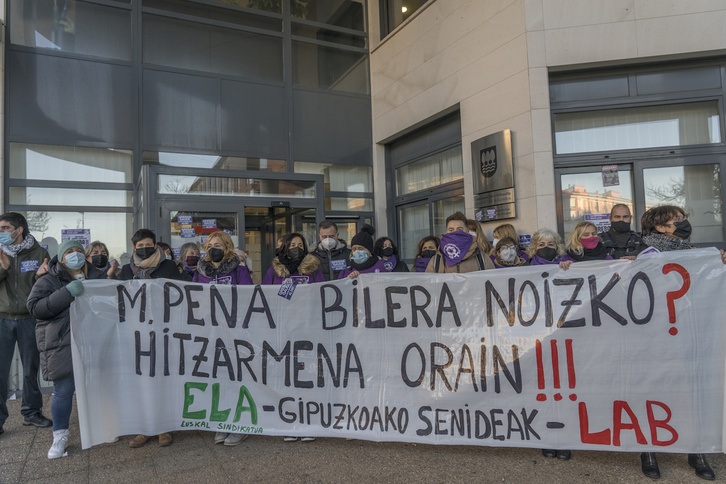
[(287, 240), (378, 247), (419, 247)]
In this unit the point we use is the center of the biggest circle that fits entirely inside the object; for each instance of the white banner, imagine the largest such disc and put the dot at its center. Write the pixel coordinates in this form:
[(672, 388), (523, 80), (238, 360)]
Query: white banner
[(624, 356)]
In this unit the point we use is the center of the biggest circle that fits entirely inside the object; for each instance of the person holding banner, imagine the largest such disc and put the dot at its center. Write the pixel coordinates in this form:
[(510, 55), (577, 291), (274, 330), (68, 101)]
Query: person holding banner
[(506, 254), (49, 302), (97, 254), (294, 263), (362, 258), (460, 252), (547, 248), (667, 228), (189, 257), (388, 253), (583, 244), (425, 250)]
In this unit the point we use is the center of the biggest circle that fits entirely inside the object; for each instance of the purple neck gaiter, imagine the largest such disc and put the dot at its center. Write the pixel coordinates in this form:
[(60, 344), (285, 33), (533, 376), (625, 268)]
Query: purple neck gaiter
[(421, 263), (390, 263), (454, 246)]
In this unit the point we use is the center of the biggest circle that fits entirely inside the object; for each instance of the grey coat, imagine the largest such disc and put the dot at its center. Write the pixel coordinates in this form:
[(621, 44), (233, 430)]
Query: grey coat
[(49, 302)]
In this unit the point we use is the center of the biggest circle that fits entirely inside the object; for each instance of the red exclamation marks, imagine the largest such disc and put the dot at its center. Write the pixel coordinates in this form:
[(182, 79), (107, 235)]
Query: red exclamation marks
[(571, 378), (541, 397)]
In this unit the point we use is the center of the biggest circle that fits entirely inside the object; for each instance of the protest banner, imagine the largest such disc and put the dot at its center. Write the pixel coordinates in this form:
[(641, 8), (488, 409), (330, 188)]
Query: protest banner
[(612, 355)]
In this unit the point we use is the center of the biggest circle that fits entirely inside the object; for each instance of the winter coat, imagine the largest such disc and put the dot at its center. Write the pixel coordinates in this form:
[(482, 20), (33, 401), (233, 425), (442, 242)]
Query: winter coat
[(333, 262), (17, 281), (49, 302), (474, 260), (377, 267), (230, 271), (309, 268), (634, 245), (167, 269)]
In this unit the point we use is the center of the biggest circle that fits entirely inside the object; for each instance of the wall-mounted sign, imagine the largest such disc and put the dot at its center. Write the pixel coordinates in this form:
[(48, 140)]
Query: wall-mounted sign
[(81, 235), (493, 174)]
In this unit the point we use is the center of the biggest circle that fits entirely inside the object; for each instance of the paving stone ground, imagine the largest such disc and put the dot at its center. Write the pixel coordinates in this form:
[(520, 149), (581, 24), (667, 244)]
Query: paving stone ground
[(193, 458)]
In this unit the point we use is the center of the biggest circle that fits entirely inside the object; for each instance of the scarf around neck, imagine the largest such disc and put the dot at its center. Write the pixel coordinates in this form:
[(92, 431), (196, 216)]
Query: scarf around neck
[(421, 263), (390, 264), (598, 253), (12, 250), (143, 268), (664, 243)]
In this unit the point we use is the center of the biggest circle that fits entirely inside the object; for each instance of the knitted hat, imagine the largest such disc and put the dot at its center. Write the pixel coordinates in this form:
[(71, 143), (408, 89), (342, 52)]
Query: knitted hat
[(364, 238), (64, 246)]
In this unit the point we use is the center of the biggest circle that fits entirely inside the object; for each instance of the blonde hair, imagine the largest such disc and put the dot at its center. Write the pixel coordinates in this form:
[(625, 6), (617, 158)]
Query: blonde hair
[(481, 240), (573, 240), (507, 230), (548, 236), (227, 244)]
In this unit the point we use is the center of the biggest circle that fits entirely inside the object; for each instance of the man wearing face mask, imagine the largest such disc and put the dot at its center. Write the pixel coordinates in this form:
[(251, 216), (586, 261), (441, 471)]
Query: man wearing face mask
[(22, 262), (332, 251), (459, 252), (620, 242), (149, 261)]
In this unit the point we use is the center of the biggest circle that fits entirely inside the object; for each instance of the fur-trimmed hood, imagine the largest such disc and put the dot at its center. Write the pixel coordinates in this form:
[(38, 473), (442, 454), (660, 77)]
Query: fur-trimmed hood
[(207, 269), (307, 267)]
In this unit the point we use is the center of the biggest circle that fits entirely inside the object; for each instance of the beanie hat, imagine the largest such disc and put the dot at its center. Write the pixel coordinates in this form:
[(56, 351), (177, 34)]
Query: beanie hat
[(364, 238), (64, 246)]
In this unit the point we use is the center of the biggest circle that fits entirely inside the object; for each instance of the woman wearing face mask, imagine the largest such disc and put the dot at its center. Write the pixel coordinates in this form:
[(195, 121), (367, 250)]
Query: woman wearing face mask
[(460, 252), (477, 232), (97, 254), (49, 302), (388, 253), (508, 230), (425, 250), (149, 261), (547, 248), (362, 259), (221, 265), (189, 257), (507, 256), (583, 244), (294, 263)]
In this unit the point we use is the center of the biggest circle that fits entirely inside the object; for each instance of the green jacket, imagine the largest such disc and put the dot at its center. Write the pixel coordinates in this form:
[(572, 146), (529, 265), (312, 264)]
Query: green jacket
[(18, 280)]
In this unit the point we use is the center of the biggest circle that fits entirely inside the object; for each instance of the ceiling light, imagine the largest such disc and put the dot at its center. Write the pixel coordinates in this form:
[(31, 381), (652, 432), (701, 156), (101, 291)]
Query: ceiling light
[(404, 9)]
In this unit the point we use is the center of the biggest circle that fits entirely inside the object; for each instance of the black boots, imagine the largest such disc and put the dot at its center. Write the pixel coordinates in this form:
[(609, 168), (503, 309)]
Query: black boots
[(560, 454), (703, 470), (649, 465)]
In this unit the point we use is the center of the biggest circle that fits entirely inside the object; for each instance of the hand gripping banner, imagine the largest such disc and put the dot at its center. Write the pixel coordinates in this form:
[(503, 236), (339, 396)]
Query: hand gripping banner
[(621, 355)]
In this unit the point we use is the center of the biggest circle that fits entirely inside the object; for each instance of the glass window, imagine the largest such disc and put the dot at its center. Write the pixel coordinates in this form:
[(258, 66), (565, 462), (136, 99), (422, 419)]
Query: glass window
[(190, 160), (245, 187), (585, 194), (414, 224), (340, 178), (634, 128), (327, 35), (70, 197), (225, 14), (442, 209), (202, 224), (192, 45), (329, 68), (341, 13), (395, 12), (67, 163), (697, 189), (113, 229), (437, 169), (350, 204), (71, 26)]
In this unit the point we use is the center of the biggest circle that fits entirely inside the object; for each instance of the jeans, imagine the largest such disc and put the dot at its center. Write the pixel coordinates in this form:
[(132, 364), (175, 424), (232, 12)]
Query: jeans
[(62, 403), (21, 331)]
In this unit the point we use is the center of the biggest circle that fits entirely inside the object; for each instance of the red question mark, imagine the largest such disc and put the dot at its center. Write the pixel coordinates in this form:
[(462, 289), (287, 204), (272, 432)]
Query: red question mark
[(673, 295)]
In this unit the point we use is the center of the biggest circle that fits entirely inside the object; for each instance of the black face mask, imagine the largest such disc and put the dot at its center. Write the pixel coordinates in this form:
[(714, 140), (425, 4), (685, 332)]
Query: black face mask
[(99, 261), (145, 252), (547, 253), (192, 260), (387, 252), (427, 254), (683, 229), (216, 255), (295, 253), (620, 227)]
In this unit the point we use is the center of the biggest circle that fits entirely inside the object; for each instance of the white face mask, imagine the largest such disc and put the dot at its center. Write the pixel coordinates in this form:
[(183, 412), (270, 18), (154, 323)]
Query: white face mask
[(328, 243), (508, 254), (472, 233), (495, 242)]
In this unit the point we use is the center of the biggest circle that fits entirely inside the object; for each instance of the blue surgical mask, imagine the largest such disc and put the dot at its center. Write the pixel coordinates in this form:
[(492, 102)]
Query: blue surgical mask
[(75, 260), (360, 256), (6, 238)]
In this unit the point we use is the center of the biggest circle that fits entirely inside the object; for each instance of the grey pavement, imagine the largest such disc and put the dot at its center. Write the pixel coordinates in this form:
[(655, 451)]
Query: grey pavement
[(193, 457)]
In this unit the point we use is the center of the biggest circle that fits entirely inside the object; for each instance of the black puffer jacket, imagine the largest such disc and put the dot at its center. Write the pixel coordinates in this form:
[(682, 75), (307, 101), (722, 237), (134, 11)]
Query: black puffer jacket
[(49, 302)]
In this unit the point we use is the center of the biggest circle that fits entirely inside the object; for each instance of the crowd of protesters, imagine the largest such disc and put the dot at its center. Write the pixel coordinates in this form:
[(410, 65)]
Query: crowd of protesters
[(36, 291)]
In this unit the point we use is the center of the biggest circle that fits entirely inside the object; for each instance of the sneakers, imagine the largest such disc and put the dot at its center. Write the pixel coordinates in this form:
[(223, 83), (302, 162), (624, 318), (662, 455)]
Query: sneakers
[(60, 440), (220, 437), (289, 439), (307, 439), (38, 420), (235, 439)]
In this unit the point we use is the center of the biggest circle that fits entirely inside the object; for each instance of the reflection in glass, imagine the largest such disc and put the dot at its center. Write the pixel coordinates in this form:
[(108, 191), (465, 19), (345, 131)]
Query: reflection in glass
[(67, 163), (442, 209), (190, 160), (113, 229), (327, 35), (438, 169), (202, 224), (341, 13), (414, 223), (584, 194), (340, 178), (349, 204), (225, 14), (642, 127), (192, 45), (397, 11), (697, 189), (245, 187), (70, 26), (329, 68), (76, 197)]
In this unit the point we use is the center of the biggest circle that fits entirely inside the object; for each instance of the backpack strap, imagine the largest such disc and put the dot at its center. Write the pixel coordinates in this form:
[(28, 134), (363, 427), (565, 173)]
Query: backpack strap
[(480, 259), (437, 263)]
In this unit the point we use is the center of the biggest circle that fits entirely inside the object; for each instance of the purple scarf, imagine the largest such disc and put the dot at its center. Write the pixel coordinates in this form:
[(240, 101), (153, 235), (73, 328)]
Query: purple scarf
[(454, 246), (390, 263), (421, 263)]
